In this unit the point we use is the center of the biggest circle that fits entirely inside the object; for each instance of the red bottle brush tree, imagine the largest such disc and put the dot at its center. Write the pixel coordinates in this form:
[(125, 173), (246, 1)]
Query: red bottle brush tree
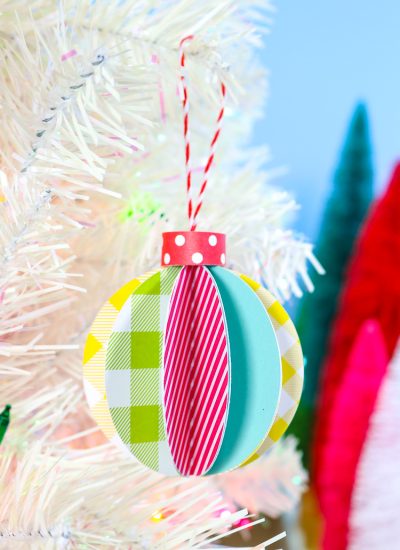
[(372, 291)]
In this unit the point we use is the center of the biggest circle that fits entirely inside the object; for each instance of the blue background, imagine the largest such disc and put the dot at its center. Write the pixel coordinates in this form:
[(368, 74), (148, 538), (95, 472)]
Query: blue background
[(323, 57)]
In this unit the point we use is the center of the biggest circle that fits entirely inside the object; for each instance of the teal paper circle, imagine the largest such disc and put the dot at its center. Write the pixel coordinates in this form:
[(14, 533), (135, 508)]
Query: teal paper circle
[(255, 371)]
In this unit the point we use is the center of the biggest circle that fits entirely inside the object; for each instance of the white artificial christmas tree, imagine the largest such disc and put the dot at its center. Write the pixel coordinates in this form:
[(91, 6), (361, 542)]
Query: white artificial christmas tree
[(92, 173)]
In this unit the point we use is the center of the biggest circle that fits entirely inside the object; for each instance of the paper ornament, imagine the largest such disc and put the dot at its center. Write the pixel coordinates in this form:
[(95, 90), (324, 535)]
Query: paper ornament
[(194, 369)]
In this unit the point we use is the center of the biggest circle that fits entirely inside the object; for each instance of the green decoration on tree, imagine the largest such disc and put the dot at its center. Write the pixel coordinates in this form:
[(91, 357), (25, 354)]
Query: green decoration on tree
[(4, 421), (141, 207), (345, 210)]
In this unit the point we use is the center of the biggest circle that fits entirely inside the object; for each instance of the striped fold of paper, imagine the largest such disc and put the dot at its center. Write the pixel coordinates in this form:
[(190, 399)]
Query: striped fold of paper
[(196, 372)]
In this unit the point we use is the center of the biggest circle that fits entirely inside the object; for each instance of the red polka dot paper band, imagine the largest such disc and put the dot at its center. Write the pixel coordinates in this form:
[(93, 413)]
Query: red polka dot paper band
[(193, 248)]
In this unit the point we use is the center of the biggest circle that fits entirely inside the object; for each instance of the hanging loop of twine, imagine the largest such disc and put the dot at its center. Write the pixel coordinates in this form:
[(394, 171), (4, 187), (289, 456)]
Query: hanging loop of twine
[(194, 207)]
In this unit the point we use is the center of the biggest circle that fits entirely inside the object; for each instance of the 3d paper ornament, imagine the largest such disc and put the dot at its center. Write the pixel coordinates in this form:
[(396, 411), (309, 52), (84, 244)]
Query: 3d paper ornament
[(194, 368)]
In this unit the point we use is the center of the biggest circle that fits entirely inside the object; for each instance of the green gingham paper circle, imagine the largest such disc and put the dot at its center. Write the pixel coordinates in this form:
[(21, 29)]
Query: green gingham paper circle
[(134, 368), (94, 356)]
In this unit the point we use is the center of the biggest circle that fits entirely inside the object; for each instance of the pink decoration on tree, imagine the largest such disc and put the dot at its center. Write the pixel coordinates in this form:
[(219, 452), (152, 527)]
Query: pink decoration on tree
[(69, 54)]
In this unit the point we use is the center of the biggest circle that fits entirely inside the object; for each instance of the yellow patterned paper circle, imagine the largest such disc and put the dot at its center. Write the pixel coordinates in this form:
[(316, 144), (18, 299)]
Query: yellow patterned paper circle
[(292, 367)]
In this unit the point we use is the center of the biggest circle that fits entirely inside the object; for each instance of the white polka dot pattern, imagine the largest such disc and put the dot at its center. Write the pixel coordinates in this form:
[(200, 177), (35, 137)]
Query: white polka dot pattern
[(197, 257), (180, 240)]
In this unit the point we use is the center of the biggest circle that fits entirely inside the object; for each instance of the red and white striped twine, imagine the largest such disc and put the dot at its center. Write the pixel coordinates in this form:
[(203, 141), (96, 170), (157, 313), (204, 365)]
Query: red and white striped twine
[(194, 209)]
